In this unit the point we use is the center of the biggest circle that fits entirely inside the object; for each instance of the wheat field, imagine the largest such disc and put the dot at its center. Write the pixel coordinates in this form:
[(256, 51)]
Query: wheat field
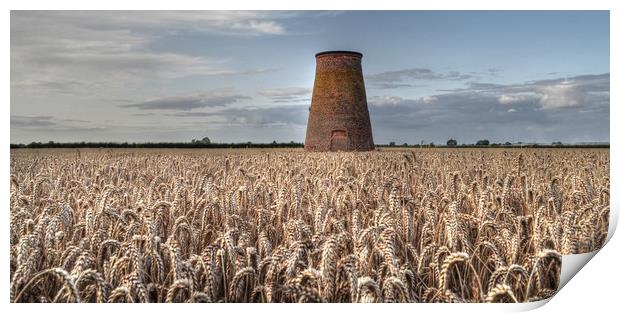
[(420, 225)]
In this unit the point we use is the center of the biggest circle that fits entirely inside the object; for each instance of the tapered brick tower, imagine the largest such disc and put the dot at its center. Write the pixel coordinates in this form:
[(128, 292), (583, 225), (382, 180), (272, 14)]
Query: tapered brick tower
[(338, 119)]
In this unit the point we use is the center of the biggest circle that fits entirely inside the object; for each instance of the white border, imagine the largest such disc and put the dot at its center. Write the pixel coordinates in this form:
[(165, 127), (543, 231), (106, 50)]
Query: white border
[(594, 287)]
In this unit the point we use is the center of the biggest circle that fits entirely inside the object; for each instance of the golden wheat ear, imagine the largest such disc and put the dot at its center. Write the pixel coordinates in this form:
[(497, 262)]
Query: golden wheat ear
[(429, 225)]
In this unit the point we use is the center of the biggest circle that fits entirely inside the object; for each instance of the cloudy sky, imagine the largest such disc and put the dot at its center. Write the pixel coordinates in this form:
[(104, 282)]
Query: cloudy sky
[(247, 76)]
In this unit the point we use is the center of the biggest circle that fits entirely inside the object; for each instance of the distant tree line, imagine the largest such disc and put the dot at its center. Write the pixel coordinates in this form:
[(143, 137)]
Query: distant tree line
[(485, 143), (193, 144), (206, 143)]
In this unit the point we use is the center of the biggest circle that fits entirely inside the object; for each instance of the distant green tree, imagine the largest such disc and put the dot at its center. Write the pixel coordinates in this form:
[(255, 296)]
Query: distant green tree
[(392, 144), (451, 142), (483, 142)]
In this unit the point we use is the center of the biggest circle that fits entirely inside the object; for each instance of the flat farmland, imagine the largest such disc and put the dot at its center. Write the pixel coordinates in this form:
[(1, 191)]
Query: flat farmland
[(282, 225)]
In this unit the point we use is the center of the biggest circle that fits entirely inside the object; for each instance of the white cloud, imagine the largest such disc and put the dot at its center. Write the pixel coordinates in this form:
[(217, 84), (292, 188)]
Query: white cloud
[(415, 74), (429, 99), (186, 103), (562, 95), (50, 123), (288, 94), (107, 49), (286, 91), (386, 100), (508, 99), (265, 27), (550, 94)]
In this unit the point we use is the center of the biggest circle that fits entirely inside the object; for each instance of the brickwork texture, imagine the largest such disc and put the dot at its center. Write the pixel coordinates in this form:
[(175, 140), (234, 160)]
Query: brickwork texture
[(339, 119)]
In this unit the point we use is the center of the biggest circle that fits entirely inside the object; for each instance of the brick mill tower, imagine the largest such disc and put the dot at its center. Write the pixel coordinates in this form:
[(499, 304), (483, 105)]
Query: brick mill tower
[(338, 119)]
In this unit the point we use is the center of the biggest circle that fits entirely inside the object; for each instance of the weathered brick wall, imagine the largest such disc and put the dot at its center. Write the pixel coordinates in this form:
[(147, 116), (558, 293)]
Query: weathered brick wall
[(338, 118)]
